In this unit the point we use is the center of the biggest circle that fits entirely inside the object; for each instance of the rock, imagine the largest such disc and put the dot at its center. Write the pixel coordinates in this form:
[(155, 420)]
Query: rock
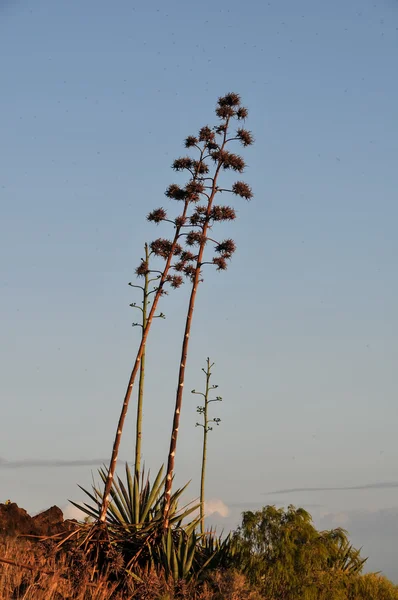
[(49, 522), (16, 521)]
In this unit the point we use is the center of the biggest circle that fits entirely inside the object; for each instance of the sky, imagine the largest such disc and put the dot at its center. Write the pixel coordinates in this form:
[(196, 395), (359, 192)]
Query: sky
[(96, 100)]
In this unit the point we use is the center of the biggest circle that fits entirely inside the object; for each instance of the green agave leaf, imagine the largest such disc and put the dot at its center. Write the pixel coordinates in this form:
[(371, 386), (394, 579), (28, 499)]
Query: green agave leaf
[(93, 498), (126, 501), (119, 501), (153, 494), (137, 500), (130, 487), (174, 563), (85, 509)]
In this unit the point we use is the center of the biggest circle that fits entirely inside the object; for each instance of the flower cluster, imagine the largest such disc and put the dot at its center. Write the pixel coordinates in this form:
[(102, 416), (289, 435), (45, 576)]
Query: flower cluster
[(200, 212), (225, 250)]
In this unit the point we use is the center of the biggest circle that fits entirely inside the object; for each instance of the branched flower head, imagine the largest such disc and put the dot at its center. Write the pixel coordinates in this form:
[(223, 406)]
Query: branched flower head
[(175, 280), (225, 112), (193, 190), (222, 213), (222, 128), (229, 160), (190, 272), (200, 167), (220, 262), (242, 189), (242, 113), (245, 136), (175, 191), (182, 163), (226, 105), (142, 269), (157, 215), (197, 217), (230, 99), (187, 256), (191, 141), (180, 221), (179, 266), (206, 134), (162, 247), (226, 248), (195, 238)]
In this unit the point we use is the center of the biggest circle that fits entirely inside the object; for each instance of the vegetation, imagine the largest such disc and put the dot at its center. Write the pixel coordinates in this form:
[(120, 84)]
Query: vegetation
[(296, 562), (136, 541), (203, 185), (146, 292), (213, 159), (206, 425)]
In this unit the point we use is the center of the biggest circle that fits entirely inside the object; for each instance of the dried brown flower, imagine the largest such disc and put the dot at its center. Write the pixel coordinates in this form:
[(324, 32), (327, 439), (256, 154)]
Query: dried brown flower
[(185, 162), (230, 99), (142, 269), (180, 221), (193, 190), (242, 113), (226, 247), (174, 280), (162, 247), (187, 256), (157, 215), (196, 219), (190, 271), (245, 136), (174, 191), (221, 128), (200, 167), (222, 213), (220, 262), (179, 266), (225, 112), (191, 141), (206, 134), (195, 237), (240, 188), (229, 160)]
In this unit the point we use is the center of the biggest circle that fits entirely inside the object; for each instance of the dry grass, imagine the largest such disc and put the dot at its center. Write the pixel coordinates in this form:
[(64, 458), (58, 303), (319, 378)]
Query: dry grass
[(52, 578)]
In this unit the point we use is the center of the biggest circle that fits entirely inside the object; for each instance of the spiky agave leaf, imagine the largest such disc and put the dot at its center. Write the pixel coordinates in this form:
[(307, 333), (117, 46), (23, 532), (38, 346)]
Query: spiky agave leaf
[(135, 504)]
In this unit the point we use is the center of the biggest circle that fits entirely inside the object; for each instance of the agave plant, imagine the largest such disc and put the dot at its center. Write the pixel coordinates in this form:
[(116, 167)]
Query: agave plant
[(135, 516), (343, 555), (135, 504), (186, 554)]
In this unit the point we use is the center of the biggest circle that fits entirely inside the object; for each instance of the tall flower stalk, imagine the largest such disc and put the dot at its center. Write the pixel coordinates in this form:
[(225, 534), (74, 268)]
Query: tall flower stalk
[(212, 144), (166, 249), (206, 425), (146, 292)]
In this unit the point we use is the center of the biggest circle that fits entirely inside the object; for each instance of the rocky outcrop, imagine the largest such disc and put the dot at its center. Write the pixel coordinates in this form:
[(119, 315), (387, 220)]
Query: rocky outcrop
[(16, 521)]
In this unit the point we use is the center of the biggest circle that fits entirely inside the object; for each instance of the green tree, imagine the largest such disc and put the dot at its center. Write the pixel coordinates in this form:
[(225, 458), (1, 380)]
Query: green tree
[(283, 552)]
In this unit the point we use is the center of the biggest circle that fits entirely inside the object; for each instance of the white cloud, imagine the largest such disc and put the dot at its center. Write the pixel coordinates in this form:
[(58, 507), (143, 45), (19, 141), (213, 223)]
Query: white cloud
[(216, 505), (72, 512), (336, 519)]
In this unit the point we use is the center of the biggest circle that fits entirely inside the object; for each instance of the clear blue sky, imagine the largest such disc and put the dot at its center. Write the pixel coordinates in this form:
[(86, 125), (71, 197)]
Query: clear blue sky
[(96, 99)]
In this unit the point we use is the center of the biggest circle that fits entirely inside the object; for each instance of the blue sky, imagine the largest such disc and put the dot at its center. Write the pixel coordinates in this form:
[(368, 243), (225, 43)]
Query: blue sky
[(96, 99)]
